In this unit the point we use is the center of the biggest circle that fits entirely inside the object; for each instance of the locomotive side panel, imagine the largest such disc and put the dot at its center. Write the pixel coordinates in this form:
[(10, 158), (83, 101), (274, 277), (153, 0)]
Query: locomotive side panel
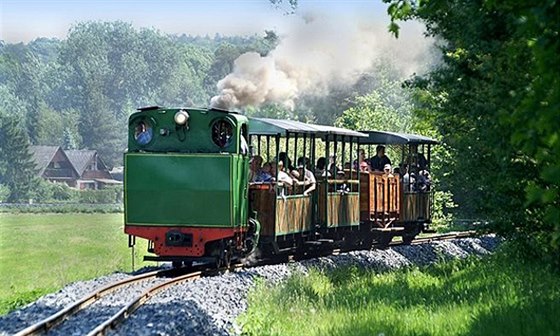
[(168, 189)]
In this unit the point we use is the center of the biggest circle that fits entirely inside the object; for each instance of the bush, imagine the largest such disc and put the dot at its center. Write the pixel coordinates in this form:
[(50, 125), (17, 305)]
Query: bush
[(102, 196)]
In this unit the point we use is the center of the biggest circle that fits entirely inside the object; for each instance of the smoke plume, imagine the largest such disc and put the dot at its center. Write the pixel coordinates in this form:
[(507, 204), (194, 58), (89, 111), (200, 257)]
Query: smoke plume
[(315, 54)]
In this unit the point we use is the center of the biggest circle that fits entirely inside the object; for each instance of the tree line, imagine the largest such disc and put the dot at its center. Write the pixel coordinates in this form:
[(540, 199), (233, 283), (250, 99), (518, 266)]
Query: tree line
[(78, 92)]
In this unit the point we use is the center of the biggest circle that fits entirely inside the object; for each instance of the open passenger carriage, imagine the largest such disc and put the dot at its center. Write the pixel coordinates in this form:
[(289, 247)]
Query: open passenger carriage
[(290, 219), (399, 203)]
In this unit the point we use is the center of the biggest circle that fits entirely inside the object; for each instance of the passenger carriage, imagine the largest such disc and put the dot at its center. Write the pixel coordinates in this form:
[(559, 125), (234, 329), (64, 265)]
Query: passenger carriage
[(291, 221), (395, 205)]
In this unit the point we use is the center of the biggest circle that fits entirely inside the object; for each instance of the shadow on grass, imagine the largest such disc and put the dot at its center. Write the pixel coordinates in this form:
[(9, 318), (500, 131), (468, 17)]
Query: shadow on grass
[(534, 318)]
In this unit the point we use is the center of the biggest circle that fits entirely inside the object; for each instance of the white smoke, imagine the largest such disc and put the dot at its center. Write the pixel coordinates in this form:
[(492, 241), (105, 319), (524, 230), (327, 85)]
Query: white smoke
[(315, 54)]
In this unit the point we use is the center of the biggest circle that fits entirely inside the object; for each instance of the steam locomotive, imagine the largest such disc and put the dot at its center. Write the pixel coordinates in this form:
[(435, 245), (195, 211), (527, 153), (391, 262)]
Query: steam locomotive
[(188, 192)]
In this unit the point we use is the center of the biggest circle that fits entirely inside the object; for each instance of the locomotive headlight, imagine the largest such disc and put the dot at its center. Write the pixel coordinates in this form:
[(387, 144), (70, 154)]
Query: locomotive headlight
[(181, 117)]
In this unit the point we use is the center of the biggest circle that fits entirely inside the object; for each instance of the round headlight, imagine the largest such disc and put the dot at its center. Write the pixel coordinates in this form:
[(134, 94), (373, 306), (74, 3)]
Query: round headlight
[(181, 117)]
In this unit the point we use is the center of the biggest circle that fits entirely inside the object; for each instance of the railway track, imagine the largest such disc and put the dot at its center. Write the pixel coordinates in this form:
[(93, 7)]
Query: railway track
[(167, 278), (439, 237)]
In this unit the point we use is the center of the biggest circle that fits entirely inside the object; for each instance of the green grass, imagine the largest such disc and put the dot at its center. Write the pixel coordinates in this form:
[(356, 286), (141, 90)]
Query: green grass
[(40, 254), (498, 295)]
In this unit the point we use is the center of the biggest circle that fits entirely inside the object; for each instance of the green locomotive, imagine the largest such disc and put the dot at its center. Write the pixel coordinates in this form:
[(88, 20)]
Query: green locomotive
[(191, 191), (186, 183)]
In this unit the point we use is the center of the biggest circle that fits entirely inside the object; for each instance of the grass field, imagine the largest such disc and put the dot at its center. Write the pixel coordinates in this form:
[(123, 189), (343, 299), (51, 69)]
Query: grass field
[(499, 295), (41, 253)]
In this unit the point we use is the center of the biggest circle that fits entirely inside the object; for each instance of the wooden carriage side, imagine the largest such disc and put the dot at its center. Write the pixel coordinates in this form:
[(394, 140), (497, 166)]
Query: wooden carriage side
[(380, 198)]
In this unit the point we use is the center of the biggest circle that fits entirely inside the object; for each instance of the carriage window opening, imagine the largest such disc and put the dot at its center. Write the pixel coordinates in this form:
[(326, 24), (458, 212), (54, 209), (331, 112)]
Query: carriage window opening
[(222, 133)]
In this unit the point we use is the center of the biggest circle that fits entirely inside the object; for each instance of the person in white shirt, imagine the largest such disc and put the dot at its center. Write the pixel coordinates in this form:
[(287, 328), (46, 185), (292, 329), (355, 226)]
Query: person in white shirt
[(283, 176), (308, 178)]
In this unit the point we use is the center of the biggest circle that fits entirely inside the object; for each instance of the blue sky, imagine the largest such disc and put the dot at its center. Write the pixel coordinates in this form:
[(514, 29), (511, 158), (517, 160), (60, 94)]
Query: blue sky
[(24, 20)]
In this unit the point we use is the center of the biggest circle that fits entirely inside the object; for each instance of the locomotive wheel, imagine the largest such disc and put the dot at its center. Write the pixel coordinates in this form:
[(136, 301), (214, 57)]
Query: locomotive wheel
[(408, 238), (224, 259)]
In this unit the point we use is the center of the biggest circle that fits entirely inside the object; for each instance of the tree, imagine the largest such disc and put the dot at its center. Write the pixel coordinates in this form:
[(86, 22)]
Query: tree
[(17, 168)]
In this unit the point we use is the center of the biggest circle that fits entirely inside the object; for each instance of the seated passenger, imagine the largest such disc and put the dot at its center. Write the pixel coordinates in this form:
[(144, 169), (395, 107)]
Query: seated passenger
[(264, 174), (423, 181), (320, 167), (387, 171), (379, 161), (364, 167), (363, 164), (254, 167), (308, 177), (283, 156), (283, 176), (332, 168)]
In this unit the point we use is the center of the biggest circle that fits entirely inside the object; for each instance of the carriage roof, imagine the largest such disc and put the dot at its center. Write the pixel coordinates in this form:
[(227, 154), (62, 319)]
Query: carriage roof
[(392, 138), (267, 126)]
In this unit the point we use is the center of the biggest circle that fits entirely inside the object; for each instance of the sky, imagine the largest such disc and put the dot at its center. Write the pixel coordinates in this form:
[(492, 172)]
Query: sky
[(25, 20)]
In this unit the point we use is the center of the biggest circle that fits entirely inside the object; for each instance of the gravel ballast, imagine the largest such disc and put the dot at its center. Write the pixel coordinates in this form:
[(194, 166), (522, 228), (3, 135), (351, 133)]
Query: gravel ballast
[(210, 305)]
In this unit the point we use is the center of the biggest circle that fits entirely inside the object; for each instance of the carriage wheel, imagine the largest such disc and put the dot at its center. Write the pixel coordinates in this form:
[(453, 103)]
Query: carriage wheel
[(385, 239)]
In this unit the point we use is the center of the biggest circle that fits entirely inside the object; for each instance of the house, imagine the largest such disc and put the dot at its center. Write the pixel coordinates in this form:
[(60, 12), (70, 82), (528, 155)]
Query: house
[(82, 169), (53, 164), (92, 171)]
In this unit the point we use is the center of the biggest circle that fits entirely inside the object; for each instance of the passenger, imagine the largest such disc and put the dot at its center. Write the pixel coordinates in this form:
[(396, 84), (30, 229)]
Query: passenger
[(408, 179), (363, 164), (387, 171), (289, 168), (332, 168), (283, 176), (364, 167), (265, 174), (347, 166), (255, 167), (424, 181), (379, 161), (320, 167), (308, 177), (283, 156), (418, 158)]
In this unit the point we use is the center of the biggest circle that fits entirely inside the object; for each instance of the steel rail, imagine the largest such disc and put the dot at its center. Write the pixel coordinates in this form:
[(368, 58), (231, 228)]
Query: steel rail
[(133, 305), (444, 236), (127, 310), (48, 323), (439, 237)]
